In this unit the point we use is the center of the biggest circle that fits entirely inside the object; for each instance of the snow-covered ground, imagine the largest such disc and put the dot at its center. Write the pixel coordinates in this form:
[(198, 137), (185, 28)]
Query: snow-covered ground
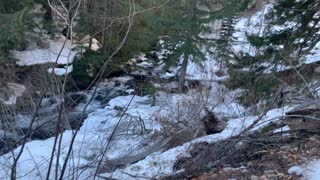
[(37, 55), (135, 119), (308, 171), (251, 25), (47, 55), (161, 164), (256, 25), (95, 133), (61, 71), (135, 129), (91, 139)]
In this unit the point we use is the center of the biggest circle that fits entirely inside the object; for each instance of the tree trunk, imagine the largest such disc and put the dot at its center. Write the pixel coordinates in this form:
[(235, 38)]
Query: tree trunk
[(183, 72), (106, 37), (49, 14)]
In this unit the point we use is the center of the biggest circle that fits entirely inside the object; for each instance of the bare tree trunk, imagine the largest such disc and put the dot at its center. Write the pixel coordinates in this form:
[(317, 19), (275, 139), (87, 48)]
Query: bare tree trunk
[(183, 72), (186, 54), (49, 14), (106, 37)]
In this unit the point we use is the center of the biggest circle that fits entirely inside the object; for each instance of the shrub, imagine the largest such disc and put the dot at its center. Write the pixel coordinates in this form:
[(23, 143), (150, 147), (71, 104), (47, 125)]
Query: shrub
[(86, 68)]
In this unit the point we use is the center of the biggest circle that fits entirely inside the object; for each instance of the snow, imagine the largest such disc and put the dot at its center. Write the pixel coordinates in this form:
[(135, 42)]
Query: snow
[(145, 64), (308, 171), (91, 139), (41, 56), (312, 170), (314, 55), (140, 121), (203, 70), (160, 164), (252, 25), (295, 170), (95, 45), (61, 71), (285, 26), (256, 25), (15, 90), (285, 128), (93, 135)]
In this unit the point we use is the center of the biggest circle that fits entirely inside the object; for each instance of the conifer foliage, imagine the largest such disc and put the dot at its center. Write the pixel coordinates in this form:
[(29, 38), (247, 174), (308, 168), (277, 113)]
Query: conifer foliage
[(189, 27), (291, 31), (15, 23)]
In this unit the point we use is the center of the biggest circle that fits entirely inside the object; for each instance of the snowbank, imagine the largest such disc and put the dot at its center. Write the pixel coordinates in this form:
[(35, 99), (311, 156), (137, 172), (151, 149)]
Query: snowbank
[(50, 55)]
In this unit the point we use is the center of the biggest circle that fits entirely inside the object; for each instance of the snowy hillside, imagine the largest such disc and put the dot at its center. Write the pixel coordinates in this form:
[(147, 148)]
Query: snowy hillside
[(235, 101)]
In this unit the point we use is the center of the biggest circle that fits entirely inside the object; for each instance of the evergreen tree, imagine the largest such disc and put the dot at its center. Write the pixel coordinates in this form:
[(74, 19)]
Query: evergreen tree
[(188, 27), (292, 31), (15, 22), (143, 33), (224, 42)]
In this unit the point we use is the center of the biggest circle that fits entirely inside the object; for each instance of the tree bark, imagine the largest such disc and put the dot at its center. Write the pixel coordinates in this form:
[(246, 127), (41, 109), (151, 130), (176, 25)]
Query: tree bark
[(186, 54), (108, 8), (183, 72)]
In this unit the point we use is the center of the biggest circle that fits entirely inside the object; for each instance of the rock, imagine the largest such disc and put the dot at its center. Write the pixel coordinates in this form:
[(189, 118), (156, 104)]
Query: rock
[(192, 84), (116, 73), (117, 84), (268, 172), (317, 70), (74, 99), (38, 134), (43, 43), (75, 119), (109, 93), (130, 83), (152, 55), (253, 177)]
